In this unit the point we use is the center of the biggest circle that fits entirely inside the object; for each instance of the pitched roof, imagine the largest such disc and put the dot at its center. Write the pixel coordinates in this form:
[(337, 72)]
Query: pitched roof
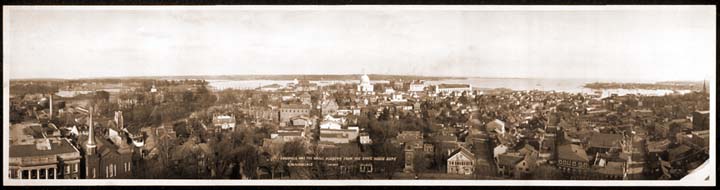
[(462, 150), (509, 159), (572, 152), (604, 140)]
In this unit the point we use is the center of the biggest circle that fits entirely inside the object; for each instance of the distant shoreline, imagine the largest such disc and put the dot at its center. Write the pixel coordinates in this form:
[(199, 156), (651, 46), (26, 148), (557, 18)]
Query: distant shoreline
[(676, 85), (260, 77)]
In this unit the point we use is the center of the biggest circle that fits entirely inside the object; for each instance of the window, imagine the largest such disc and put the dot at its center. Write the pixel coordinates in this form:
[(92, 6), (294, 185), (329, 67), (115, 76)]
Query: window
[(67, 169), (25, 174), (93, 176), (366, 168), (107, 175), (343, 170), (114, 170), (43, 174), (76, 168), (51, 173)]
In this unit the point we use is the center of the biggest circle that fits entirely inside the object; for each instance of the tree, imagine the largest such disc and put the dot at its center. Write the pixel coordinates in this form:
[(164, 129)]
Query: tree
[(420, 162), (294, 149)]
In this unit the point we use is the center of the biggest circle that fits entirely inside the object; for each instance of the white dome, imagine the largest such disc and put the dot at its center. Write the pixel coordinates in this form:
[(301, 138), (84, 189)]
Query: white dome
[(365, 79)]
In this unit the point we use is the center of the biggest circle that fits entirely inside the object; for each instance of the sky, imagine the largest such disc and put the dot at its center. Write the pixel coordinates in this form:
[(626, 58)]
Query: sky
[(607, 42)]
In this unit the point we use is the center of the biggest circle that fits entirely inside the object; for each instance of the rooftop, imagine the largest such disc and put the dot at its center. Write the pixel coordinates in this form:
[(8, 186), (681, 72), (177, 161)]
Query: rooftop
[(294, 106), (57, 146), (572, 152), (509, 159), (605, 140)]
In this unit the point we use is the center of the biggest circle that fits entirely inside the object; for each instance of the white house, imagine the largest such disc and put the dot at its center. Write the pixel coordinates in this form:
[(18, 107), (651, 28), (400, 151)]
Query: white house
[(461, 161)]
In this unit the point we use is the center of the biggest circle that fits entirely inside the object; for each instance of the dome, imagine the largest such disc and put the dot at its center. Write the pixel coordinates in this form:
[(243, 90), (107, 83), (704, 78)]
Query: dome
[(365, 79)]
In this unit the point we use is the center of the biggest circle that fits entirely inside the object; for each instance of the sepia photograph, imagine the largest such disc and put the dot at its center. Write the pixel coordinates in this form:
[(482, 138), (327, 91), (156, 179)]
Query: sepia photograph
[(359, 95)]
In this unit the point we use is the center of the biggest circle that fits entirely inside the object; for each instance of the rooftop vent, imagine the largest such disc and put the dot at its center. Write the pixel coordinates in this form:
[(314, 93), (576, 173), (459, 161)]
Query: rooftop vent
[(43, 144)]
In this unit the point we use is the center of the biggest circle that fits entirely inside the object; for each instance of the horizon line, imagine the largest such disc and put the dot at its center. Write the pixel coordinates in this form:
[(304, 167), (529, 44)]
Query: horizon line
[(352, 74)]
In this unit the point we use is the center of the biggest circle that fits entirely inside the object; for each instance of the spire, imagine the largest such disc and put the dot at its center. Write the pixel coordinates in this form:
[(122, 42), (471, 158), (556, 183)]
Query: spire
[(91, 135), (704, 88)]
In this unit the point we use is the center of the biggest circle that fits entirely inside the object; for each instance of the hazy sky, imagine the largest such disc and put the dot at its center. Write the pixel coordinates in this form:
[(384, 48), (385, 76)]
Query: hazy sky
[(656, 43)]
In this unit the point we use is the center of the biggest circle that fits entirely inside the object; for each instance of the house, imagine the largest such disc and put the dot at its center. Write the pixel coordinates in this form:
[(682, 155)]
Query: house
[(194, 159), (224, 122), (527, 165), (461, 161), (572, 159), (306, 99), (657, 149), (604, 142), (506, 163), (45, 158), (329, 107)]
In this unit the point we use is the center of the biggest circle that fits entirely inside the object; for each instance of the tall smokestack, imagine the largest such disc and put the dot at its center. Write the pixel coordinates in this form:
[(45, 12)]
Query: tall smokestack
[(51, 106), (91, 135)]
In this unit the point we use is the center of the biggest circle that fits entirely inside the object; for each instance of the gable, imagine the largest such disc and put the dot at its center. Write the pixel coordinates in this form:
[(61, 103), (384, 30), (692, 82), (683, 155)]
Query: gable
[(459, 156)]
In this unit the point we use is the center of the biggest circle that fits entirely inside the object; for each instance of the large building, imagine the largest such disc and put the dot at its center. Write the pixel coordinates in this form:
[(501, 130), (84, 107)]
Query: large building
[(416, 87), (450, 88), (412, 142), (292, 110), (47, 158), (573, 160), (701, 120), (365, 87)]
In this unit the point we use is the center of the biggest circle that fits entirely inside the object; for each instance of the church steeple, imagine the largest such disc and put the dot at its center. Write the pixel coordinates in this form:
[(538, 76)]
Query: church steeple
[(704, 87)]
